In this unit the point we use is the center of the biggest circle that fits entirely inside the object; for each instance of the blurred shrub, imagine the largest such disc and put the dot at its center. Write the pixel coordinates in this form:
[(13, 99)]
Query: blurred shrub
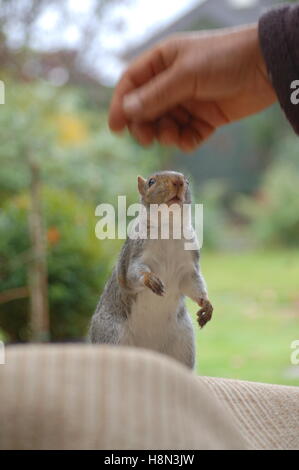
[(215, 218), (78, 264), (82, 164), (2, 335), (273, 213)]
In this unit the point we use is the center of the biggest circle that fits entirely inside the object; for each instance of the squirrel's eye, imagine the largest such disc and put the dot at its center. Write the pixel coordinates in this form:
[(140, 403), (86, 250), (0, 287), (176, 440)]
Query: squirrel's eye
[(187, 181), (151, 182)]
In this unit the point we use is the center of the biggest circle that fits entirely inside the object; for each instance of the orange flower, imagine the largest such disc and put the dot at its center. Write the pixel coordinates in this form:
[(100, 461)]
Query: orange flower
[(53, 235)]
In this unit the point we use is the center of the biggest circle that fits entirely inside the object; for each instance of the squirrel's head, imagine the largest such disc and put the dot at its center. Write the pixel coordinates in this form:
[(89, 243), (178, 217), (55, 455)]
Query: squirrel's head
[(168, 187)]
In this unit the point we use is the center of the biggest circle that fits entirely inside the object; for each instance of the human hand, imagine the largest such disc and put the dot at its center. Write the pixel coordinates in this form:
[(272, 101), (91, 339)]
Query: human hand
[(185, 87)]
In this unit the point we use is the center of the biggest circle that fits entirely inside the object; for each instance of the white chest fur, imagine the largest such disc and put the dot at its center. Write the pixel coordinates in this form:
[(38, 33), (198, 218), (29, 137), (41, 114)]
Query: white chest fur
[(154, 317)]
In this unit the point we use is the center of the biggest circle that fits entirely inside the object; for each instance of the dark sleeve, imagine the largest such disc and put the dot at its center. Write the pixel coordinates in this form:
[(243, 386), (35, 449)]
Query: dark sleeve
[(279, 39)]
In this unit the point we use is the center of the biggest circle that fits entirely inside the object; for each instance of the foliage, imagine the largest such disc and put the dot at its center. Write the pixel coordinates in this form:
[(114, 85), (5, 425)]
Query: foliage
[(82, 164), (215, 221), (78, 264), (274, 211)]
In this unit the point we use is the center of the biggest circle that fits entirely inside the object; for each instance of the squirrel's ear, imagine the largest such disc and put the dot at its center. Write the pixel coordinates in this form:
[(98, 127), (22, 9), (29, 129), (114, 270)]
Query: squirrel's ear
[(141, 185)]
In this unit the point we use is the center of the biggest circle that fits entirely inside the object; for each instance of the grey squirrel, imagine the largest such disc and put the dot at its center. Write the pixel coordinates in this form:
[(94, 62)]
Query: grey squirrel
[(143, 301)]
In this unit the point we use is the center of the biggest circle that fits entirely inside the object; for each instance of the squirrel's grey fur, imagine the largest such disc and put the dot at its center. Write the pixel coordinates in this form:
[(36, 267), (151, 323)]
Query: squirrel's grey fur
[(143, 301)]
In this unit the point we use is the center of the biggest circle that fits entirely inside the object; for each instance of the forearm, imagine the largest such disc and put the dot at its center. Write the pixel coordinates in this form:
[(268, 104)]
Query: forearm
[(140, 276), (135, 275), (193, 286), (279, 40)]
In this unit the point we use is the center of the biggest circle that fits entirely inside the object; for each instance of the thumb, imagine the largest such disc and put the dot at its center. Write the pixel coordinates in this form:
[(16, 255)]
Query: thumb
[(161, 93)]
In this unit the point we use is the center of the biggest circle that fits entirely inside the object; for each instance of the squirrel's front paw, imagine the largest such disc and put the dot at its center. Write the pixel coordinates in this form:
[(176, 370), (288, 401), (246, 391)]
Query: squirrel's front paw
[(151, 281), (205, 313)]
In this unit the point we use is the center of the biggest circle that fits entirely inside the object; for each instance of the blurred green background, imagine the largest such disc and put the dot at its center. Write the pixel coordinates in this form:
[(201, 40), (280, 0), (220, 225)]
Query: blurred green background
[(58, 161)]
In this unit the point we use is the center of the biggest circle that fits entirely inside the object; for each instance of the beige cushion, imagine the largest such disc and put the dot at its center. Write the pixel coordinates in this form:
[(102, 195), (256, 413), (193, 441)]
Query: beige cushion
[(102, 397), (267, 416)]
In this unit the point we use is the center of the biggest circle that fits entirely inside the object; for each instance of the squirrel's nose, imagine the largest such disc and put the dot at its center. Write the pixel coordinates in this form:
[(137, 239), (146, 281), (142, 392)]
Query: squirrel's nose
[(177, 183)]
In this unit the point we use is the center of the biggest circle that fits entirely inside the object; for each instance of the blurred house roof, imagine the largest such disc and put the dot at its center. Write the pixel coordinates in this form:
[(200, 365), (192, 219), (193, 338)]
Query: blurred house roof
[(44, 63), (206, 14), (63, 66)]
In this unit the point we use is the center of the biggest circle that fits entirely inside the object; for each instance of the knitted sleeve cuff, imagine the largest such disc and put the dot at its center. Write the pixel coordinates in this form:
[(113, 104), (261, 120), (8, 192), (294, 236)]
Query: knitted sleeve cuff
[(279, 39)]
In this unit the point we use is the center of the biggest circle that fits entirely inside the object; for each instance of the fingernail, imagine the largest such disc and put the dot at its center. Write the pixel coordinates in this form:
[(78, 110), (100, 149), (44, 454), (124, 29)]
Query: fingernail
[(132, 104)]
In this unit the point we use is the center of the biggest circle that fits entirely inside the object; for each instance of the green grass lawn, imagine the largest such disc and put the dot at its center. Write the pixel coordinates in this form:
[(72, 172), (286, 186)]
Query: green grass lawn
[(256, 316)]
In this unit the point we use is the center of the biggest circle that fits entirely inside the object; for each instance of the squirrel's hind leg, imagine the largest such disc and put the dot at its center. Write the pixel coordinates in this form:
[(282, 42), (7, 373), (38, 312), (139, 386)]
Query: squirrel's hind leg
[(182, 346), (105, 328)]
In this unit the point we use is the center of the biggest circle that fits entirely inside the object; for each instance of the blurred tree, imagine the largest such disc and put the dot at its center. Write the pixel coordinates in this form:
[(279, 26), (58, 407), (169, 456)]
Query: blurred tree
[(50, 141), (24, 125), (37, 272), (77, 265), (35, 43)]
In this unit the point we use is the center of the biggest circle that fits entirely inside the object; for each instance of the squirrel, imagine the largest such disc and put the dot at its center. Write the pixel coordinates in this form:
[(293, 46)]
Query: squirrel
[(143, 301)]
